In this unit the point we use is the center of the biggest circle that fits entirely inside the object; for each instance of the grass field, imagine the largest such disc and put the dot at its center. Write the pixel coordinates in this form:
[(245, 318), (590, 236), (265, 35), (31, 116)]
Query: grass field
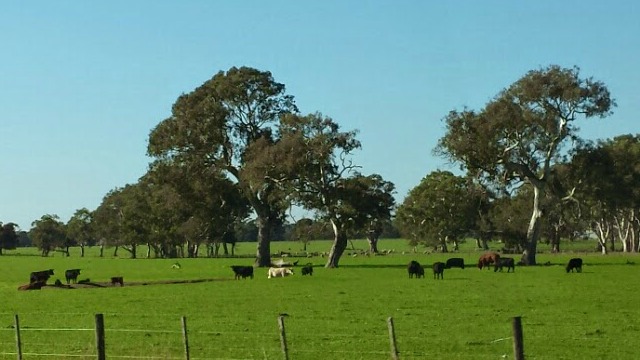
[(336, 314)]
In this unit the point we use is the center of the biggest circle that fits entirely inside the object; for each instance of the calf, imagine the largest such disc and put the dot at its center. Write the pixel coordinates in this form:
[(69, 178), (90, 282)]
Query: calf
[(37, 285), (242, 271), (117, 280), (575, 263), (40, 276), (307, 269), (505, 261), (414, 268), (455, 262), (72, 275), (438, 270), (279, 272)]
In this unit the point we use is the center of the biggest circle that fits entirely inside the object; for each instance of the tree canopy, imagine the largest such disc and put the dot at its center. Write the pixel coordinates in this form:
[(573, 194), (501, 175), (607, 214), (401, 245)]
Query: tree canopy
[(217, 124), (522, 132)]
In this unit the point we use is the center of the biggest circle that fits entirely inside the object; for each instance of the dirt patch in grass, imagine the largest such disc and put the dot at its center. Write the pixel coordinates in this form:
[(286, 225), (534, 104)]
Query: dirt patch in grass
[(91, 285)]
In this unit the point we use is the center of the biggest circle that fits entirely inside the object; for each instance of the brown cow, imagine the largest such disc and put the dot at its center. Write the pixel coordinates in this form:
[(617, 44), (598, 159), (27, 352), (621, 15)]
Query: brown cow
[(487, 259)]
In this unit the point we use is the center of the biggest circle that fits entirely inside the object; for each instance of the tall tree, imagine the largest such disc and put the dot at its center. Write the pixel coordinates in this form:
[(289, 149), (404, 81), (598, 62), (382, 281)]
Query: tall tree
[(79, 229), (122, 218), (8, 236), (49, 233), (439, 210), (606, 177), (217, 123), (326, 179), (521, 133)]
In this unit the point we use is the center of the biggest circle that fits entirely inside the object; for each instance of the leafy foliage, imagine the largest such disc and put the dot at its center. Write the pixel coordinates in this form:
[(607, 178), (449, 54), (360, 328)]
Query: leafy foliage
[(441, 208), (522, 132)]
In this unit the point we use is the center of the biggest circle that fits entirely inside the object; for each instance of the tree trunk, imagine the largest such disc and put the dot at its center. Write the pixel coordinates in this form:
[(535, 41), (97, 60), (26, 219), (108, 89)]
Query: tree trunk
[(372, 238), (263, 251), (535, 226), (101, 250), (148, 250), (115, 251), (338, 247), (443, 246), (225, 249), (81, 250)]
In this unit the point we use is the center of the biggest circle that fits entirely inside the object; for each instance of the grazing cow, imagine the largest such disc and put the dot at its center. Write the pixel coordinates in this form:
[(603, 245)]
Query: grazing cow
[(438, 270), (242, 271), (307, 269), (414, 268), (575, 263), (72, 275), (117, 280), (40, 276), (455, 262), (505, 261), (37, 285), (58, 282), (487, 259), (279, 272)]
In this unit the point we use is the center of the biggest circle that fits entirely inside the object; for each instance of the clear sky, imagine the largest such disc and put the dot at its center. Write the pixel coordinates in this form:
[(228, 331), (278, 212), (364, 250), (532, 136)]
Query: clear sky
[(82, 83)]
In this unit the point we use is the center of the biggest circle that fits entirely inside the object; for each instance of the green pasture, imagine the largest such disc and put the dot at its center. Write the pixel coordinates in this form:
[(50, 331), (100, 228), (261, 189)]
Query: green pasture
[(335, 314)]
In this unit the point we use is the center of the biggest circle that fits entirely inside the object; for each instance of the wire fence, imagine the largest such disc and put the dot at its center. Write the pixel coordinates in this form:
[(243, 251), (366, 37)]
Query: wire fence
[(98, 341)]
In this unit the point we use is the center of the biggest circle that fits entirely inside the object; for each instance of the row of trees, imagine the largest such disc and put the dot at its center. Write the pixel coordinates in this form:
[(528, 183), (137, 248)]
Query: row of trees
[(522, 155), (595, 193), (233, 148), (237, 147)]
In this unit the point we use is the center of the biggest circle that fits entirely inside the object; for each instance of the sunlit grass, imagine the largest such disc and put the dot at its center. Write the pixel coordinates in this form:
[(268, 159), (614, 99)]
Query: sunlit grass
[(335, 314)]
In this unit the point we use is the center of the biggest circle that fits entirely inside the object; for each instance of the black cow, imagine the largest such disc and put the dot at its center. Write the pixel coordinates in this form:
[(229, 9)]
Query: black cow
[(575, 263), (505, 261), (117, 280), (438, 270), (455, 262), (307, 269), (40, 276), (72, 275), (242, 271), (414, 268)]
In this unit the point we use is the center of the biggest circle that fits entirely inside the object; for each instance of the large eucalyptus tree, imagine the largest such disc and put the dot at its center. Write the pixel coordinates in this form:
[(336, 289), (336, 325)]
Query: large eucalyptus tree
[(520, 134), (217, 124), (324, 179)]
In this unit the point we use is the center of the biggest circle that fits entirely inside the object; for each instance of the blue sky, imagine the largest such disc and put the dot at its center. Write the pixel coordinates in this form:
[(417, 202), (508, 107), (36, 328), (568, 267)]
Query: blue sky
[(82, 83)]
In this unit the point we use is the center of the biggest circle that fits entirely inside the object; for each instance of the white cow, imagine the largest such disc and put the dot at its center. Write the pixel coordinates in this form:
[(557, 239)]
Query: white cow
[(279, 272)]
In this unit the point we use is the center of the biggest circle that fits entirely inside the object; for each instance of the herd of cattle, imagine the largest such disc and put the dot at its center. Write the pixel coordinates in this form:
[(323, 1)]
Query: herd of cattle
[(280, 270), (38, 279), (485, 261)]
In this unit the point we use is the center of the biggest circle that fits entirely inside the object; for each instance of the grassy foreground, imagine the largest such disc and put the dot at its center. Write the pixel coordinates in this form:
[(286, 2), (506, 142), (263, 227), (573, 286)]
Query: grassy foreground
[(336, 314)]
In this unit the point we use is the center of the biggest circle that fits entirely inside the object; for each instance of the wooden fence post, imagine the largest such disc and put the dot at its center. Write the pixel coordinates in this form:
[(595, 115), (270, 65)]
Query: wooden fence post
[(18, 341), (100, 337), (392, 339), (518, 345), (185, 338), (283, 338)]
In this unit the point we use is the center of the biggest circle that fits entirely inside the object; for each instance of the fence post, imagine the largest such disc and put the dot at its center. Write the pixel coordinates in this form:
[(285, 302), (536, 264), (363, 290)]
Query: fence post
[(18, 341), (392, 339), (518, 345), (283, 338), (185, 337), (100, 337)]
